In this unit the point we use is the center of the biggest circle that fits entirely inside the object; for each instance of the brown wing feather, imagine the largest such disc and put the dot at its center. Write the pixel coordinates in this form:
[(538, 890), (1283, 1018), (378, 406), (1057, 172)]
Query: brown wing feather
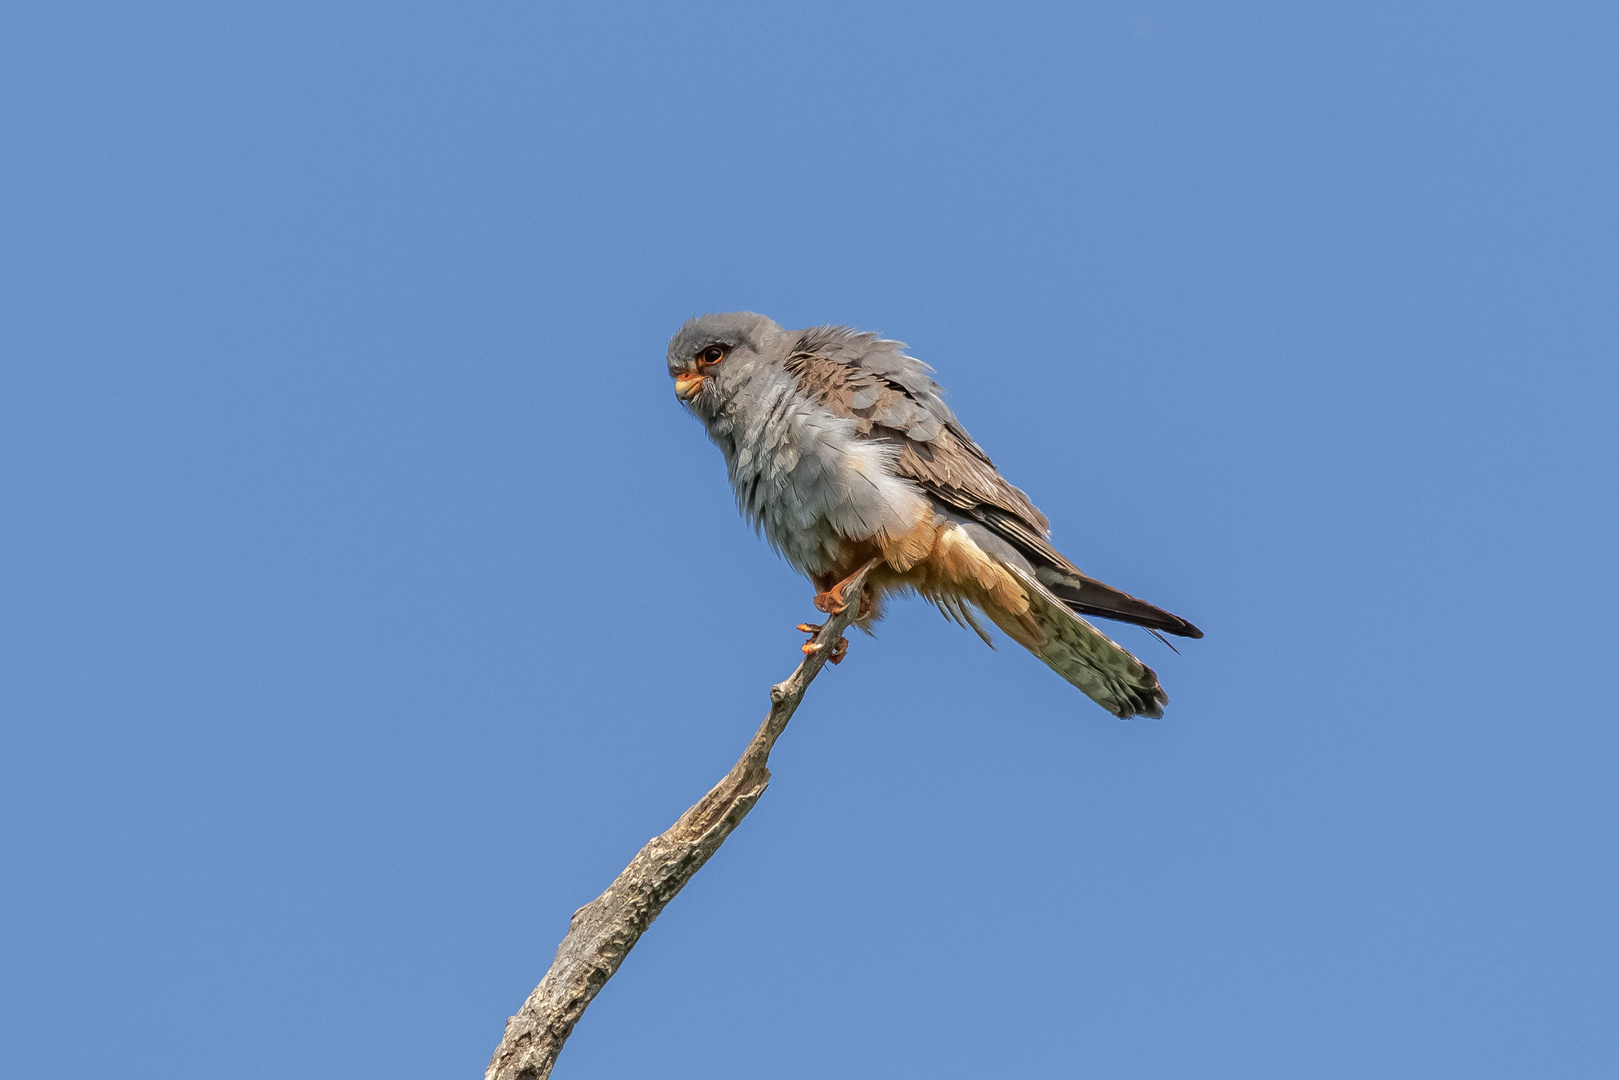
[(937, 454), (931, 452)]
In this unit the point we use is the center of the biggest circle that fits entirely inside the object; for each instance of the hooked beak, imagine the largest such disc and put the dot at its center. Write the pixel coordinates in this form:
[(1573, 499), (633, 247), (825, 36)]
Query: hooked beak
[(687, 385)]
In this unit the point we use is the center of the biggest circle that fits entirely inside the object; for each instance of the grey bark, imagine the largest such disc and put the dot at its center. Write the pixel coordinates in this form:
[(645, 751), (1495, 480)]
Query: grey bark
[(603, 932)]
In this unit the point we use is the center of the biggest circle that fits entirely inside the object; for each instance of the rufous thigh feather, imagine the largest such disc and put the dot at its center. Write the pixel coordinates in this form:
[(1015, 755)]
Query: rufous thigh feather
[(952, 567)]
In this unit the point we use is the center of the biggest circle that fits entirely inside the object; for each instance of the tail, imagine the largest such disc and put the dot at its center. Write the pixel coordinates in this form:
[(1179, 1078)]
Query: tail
[(1087, 596), (1082, 654), (1013, 540)]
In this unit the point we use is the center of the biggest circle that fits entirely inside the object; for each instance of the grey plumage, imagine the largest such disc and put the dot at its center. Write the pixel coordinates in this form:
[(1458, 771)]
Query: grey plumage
[(838, 442)]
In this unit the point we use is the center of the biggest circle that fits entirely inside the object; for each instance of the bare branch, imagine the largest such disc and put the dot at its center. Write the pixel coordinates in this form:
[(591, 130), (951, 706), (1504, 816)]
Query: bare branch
[(603, 932)]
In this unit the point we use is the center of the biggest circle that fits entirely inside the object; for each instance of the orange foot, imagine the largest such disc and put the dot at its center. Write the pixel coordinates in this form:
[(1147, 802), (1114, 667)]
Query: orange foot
[(832, 600), (838, 651)]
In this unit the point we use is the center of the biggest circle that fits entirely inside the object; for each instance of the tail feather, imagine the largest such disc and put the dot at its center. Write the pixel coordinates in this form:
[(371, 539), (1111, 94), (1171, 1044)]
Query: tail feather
[(1082, 654)]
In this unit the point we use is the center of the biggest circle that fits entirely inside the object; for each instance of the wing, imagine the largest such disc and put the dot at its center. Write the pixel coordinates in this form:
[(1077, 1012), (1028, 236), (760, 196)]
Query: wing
[(892, 398)]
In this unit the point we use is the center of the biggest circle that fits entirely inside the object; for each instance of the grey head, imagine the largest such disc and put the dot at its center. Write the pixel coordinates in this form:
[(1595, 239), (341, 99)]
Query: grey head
[(714, 357)]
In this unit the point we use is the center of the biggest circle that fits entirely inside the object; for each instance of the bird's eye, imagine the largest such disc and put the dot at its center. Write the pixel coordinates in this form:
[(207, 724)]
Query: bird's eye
[(711, 355)]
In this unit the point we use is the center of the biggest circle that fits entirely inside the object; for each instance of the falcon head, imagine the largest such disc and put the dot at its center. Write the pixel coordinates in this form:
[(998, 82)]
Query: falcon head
[(713, 356)]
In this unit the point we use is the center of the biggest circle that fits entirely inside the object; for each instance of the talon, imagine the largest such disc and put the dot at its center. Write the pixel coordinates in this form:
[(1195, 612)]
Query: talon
[(810, 648), (830, 601)]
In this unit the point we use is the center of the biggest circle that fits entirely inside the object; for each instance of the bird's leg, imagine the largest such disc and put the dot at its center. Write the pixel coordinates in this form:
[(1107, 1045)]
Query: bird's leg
[(831, 600), (823, 589), (822, 584)]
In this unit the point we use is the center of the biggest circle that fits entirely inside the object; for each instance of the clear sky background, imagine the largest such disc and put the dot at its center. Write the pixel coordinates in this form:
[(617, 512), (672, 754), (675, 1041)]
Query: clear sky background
[(367, 599)]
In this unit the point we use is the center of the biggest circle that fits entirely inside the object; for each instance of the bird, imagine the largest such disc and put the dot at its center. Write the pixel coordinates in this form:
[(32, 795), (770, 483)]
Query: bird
[(842, 452)]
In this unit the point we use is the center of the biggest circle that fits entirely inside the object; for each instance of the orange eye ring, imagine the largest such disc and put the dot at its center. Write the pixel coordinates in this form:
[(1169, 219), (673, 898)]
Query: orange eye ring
[(710, 356)]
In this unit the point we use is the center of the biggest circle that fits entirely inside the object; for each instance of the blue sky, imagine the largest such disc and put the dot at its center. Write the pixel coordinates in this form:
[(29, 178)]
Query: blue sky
[(368, 599)]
